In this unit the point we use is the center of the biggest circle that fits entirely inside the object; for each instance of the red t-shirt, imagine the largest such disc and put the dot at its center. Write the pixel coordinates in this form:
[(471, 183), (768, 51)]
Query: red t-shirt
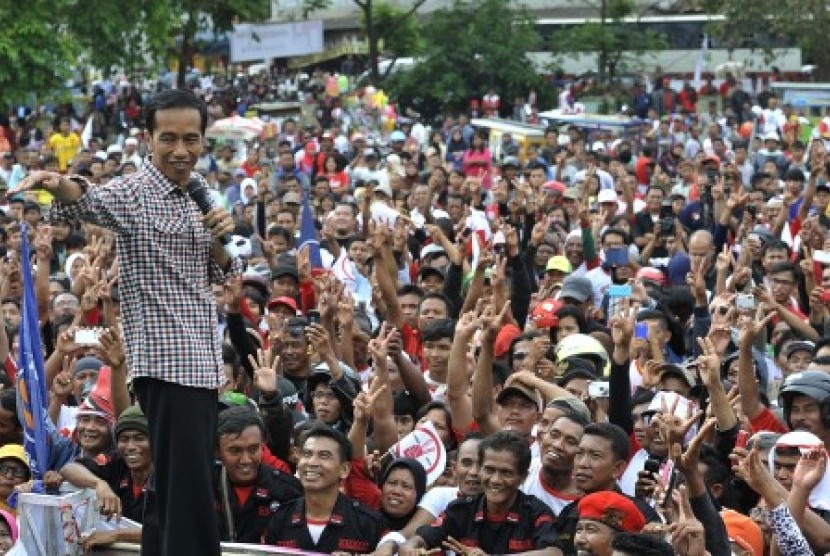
[(243, 493), (766, 421)]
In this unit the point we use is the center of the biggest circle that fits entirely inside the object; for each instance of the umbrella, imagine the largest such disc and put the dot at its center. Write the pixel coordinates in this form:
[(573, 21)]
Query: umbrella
[(236, 127)]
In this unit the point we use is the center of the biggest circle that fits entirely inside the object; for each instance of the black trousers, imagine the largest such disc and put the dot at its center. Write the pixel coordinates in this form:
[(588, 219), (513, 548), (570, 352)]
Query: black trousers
[(182, 423)]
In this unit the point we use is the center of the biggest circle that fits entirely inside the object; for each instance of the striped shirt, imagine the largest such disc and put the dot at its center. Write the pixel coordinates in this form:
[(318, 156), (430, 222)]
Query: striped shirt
[(165, 272)]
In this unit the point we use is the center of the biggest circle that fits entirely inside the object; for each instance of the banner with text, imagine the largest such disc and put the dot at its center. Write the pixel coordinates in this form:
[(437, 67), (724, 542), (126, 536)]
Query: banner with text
[(275, 40)]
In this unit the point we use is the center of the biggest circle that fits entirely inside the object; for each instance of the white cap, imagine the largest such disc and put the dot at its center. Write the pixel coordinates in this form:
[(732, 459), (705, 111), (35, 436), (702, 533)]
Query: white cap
[(101, 155), (607, 196), (114, 149), (131, 141), (431, 248), (563, 139), (771, 136), (598, 146), (383, 188)]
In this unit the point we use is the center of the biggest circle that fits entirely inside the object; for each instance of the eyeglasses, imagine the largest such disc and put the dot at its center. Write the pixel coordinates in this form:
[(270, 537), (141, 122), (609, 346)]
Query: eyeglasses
[(14, 470), (322, 395)]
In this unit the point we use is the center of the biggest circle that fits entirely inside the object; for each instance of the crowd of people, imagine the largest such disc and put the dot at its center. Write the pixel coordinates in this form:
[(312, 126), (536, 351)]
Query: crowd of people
[(623, 344)]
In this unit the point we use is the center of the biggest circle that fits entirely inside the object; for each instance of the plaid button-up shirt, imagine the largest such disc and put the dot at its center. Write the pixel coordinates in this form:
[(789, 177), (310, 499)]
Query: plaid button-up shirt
[(165, 271)]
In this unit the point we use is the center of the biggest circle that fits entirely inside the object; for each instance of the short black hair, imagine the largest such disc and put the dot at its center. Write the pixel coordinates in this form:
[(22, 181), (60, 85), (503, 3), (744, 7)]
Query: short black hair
[(170, 99), (438, 329), (324, 431), (615, 231), (507, 441), (8, 402), (234, 420), (410, 289), (637, 544), (615, 435), (440, 296), (785, 267)]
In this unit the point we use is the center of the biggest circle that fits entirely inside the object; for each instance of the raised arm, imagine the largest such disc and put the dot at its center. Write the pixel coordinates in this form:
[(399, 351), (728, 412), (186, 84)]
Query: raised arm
[(747, 383), (491, 323), (458, 385)]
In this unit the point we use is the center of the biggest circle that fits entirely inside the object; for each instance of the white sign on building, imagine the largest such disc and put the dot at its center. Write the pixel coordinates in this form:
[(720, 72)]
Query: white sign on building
[(275, 40)]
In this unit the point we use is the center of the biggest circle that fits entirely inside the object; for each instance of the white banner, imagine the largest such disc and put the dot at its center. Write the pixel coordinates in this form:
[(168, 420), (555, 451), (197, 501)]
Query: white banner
[(275, 40)]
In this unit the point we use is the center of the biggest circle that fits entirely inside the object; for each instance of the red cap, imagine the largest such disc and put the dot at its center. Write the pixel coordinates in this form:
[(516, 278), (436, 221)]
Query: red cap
[(652, 274), (544, 314), (742, 530), (612, 509), (554, 185), (99, 401), (283, 300), (506, 335), (712, 158)]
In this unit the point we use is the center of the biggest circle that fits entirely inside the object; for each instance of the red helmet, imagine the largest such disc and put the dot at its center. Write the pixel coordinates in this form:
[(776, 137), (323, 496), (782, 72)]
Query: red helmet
[(544, 314)]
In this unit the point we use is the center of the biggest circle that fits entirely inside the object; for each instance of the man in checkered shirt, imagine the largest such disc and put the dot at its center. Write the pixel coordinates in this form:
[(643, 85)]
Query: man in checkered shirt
[(168, 255)]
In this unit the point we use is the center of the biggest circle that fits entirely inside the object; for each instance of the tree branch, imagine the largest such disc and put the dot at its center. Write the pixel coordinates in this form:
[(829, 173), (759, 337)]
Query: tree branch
[(388, 32)]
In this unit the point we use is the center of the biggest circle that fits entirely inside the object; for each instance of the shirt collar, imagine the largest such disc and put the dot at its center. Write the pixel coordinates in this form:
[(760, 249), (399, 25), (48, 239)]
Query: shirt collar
[(161, 183)]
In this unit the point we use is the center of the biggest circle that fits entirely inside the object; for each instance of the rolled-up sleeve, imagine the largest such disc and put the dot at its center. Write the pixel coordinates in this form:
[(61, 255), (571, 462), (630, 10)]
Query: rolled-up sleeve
[(114, 205), (219, 275)]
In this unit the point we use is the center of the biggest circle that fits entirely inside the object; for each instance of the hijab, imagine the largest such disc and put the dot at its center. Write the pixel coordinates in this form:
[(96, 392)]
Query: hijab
[(419, 476)]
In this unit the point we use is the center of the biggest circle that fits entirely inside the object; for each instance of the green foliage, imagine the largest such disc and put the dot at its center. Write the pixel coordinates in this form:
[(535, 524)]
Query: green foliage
[(470, 48), (610, 38), (400, 33), (757, 24), (36, 55)]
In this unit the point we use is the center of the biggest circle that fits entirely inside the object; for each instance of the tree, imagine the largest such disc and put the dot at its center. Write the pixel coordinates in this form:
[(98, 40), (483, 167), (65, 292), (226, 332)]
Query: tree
[(610, 37), (36, 55), (206, 15), (760, 24), (471, 47), (395, 28)]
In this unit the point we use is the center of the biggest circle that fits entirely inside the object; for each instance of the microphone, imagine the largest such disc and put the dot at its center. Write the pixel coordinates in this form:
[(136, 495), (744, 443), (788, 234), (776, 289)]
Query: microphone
[(197, 191)]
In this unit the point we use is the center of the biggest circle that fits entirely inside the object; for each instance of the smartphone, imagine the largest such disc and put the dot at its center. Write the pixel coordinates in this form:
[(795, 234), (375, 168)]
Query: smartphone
[(652, 466), (745, 302), (597, 389), (88, 336), (822, 257), (669, 475), (619, 290), (314, 317), (743, 438), (641, 331)]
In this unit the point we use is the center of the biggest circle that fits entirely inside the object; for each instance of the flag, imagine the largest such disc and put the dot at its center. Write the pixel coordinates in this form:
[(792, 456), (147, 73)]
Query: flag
[(308, 234), (32, 398)]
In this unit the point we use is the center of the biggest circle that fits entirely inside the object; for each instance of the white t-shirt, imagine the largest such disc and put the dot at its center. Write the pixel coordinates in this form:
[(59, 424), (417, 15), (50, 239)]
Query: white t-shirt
[(600, 280), (315, 529), (535, 485), (436, 500)]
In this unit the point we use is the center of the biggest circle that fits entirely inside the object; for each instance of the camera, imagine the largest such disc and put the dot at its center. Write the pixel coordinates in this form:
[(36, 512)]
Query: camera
[(667, 226)]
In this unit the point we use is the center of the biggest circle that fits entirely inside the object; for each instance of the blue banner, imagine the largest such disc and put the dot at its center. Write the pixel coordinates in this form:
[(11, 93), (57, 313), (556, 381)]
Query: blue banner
[(32, 398), (308, 234)]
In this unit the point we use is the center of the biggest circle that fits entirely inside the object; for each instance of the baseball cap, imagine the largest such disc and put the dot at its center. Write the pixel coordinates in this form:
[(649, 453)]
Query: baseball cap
[(384, 188), (521, 390), (114, 149), (576, 287), (598, 146), (431, 249), (668, 370), (427, 270), (14, 451), (556, 186), (87, 363), (510, 161), (800, 345), (131, 141), (607, 196), (544, 314), (560, 263), (570, 403), (283, 300), (505, 337), (771, 136), (285, 270), (369, 152)]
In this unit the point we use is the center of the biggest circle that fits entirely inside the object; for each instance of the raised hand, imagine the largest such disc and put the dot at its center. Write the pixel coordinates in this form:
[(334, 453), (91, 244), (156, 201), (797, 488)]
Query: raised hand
[(709, 363), (687, 533), (810, 469), (491, 321), (751, 329), (265, 366), (112, 347), (233, 293)]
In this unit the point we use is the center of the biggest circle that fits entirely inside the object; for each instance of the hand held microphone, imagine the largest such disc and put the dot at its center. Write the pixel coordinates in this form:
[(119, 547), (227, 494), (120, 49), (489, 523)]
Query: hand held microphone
[(197, 191)]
